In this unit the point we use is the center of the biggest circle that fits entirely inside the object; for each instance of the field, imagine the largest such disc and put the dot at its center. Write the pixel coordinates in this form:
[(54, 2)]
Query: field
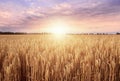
[(68, 58)]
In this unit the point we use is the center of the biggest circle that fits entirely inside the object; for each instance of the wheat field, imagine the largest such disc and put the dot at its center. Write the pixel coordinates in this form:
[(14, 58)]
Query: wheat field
[(69, 58)]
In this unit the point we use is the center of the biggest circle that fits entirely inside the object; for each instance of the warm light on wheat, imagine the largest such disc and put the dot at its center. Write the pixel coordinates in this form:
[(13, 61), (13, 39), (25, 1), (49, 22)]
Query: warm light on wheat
[(44, 58)]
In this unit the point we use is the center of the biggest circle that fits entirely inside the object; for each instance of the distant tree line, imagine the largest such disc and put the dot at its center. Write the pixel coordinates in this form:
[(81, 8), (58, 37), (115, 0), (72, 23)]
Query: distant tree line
[(12, 33), (20, 33), (117, 33)]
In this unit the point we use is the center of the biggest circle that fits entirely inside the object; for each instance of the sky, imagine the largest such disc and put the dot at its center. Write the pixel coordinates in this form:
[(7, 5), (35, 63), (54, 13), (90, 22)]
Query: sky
[(77, 16)]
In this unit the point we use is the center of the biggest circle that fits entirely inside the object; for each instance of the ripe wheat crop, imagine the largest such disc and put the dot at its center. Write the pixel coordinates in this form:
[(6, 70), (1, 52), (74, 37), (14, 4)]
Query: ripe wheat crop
[(69, 58)]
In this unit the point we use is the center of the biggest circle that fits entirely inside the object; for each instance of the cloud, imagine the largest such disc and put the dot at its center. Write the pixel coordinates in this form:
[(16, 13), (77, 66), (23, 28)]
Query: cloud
[(62, 6), (21, 14), (114, 2)]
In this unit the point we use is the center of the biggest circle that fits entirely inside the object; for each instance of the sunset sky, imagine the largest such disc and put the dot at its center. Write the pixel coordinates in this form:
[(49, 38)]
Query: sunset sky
[(76, 15)]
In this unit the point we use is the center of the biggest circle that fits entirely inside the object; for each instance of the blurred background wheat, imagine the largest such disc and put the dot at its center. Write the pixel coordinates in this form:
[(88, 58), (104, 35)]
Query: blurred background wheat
[(71, 58)]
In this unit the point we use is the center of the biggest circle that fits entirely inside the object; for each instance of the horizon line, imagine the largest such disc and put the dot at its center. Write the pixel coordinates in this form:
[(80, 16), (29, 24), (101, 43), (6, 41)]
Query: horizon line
[(87, 33)]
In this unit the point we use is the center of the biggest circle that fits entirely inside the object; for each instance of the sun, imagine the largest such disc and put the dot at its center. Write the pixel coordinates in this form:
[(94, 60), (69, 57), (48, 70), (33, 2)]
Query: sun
[(59, 29)]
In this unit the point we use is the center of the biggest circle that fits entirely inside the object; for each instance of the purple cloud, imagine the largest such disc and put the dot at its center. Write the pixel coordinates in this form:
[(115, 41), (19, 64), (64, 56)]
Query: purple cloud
[(21, 13)]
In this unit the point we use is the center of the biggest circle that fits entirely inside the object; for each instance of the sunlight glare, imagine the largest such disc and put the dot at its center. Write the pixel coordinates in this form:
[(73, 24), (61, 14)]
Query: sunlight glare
[(59, 29)]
